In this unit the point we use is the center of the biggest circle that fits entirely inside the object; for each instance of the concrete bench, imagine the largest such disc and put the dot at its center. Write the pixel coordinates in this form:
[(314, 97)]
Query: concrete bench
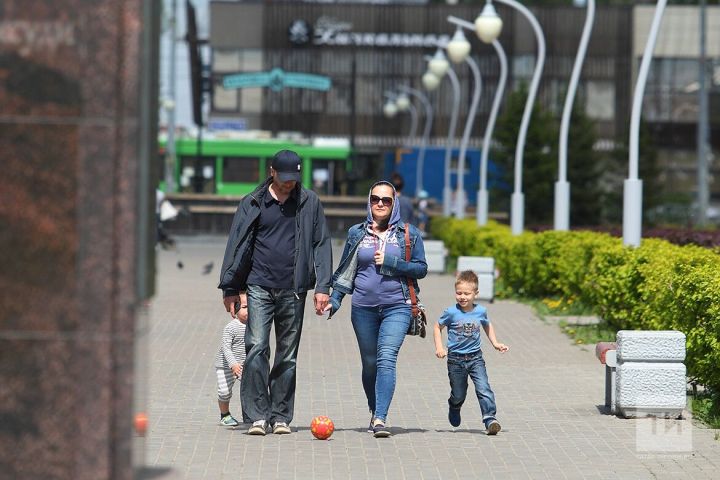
[(484, 268), (435, 254), (650, 374), (606, 352)]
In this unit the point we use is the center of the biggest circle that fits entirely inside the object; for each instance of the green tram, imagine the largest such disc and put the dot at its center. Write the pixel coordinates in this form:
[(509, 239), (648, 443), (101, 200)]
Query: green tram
[(237, 166)]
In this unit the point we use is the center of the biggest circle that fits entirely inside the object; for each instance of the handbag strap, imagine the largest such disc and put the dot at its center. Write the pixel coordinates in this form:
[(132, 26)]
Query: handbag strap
[(411, 286)]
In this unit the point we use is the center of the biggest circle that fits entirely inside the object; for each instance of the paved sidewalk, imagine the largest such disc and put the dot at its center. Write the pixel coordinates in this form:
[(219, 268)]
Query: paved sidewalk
[(549, 394)]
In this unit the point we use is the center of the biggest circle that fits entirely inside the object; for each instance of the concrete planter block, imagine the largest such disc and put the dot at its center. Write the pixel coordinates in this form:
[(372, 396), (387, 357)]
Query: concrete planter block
[(650, 346), (435, 254), (650, 389), (484, 267)]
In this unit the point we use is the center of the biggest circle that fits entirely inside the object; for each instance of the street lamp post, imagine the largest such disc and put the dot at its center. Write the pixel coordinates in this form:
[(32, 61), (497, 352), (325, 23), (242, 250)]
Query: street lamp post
[(483, 197), (458, 50), (517, 210), (440, 66), (426, 133), (562, 186), (632, 187)]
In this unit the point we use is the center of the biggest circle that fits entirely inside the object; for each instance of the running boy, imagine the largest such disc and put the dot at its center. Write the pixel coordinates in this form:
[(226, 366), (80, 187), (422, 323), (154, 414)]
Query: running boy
[(229, 366), (464, 357)]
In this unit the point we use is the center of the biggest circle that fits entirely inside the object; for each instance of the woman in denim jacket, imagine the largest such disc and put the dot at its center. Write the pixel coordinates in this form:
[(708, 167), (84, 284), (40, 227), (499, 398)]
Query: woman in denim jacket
[(374, 271)]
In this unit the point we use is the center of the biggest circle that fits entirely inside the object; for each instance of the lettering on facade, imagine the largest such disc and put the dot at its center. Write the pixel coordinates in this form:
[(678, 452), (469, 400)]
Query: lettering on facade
[(332, 32), (27, 37)]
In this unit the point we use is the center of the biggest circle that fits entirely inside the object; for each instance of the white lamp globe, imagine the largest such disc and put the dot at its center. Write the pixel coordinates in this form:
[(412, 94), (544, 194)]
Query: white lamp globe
[(390, 110), (488, 24), (402, 102), (430, 81), (438, 64), (458, 48)]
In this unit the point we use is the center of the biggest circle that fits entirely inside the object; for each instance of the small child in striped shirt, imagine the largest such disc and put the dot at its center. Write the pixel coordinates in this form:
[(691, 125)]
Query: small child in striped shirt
[(229, 366)]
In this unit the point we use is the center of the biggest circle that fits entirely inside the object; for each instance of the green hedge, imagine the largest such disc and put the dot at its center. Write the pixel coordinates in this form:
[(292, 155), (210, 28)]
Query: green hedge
[(657, 286)]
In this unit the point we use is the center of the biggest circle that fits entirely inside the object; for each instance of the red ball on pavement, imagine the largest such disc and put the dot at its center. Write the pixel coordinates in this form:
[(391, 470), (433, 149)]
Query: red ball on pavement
[(322, 427)]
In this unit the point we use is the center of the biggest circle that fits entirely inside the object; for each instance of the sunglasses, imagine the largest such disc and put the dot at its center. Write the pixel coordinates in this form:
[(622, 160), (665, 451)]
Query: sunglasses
[(387, 201)]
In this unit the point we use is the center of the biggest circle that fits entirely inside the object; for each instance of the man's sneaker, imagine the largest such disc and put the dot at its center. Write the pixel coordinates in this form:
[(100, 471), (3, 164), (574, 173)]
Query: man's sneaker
[(379, 429), (258, 428), (281, 428), (228, 421), (454, 416), (493, 427)]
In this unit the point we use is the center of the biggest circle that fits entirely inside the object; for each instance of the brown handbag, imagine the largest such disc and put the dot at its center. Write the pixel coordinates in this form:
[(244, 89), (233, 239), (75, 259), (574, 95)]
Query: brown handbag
[(418, 320)]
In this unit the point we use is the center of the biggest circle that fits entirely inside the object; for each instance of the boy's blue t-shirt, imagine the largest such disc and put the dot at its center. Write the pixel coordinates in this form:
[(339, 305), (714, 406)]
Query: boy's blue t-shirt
[(464, 328)]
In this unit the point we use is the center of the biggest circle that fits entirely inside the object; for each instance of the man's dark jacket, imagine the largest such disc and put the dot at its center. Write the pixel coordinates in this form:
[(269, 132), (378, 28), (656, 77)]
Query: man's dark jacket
[(313, 252)]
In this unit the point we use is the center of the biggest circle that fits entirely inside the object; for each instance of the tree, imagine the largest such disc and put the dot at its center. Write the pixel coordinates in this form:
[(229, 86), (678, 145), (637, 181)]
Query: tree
[(539, 159), (584, 169)]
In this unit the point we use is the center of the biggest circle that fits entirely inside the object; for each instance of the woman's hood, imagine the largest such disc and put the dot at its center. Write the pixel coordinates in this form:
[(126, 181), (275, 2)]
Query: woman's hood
[(395, 214)]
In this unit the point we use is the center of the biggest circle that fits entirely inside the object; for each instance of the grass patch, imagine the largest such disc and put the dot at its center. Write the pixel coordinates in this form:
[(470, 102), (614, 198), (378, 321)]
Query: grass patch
[(706, 408), (588, 334)]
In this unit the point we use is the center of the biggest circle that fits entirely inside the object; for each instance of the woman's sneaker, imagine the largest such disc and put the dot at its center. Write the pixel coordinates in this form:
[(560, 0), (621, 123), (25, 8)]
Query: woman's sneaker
[(370, 427), (228, 421), (493, 427), (379, 429)]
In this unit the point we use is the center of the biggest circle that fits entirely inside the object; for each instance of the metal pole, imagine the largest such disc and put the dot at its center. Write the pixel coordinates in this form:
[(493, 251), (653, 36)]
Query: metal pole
[(413, 124), (426, 134), (703, 199), (562, 186), (170, 108), (517, 210), (447, 189), (482, 210), (460, 195), (632, 187)]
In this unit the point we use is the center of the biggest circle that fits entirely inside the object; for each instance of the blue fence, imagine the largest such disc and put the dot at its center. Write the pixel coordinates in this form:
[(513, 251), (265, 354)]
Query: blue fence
[(404, 161)]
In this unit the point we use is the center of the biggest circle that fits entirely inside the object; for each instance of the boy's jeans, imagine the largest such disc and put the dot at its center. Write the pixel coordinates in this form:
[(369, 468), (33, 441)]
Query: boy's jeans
[(270, 395), (380, 332), (473, 365)]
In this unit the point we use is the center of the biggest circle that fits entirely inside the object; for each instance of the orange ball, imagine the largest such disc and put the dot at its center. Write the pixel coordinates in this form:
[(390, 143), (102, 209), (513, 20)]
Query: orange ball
[(141, 423), (322, 427)]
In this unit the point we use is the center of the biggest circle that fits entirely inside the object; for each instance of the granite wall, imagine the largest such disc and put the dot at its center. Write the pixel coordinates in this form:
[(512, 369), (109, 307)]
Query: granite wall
[(77, 103)]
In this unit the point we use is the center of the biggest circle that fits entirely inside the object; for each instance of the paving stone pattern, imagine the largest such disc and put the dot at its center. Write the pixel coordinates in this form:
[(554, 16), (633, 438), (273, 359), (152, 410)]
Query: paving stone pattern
[(549, 394)]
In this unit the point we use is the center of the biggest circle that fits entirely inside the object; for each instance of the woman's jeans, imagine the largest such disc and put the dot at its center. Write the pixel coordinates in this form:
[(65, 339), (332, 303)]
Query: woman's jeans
[(380, 332), (472, 365), (270, 394)]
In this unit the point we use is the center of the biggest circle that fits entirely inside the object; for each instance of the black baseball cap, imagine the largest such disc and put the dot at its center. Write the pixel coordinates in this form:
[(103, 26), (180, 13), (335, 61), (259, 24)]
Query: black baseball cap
[(287, 165)]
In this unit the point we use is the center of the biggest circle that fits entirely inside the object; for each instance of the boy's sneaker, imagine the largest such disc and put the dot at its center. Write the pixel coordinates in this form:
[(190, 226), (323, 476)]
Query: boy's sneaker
[(228, 421), (379, 429), (280, 428), (454, 416), (259, 427), (493, 427)]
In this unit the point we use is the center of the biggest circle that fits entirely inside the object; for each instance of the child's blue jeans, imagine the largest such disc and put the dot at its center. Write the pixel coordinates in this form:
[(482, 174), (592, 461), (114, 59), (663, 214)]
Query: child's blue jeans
[(462, 366)]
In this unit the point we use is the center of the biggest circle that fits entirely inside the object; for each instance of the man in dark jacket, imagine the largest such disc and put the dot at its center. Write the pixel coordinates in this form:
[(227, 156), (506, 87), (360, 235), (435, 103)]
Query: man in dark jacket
[(278, 249)]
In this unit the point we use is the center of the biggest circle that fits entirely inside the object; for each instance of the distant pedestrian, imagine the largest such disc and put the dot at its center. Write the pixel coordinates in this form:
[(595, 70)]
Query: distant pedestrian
[(229, 366), (464, 356), (277, 250), (407, 209)]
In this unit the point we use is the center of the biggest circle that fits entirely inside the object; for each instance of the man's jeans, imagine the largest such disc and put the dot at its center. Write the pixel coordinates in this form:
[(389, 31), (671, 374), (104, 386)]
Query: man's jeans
[(380, 332), (272, 397), (472, 365)]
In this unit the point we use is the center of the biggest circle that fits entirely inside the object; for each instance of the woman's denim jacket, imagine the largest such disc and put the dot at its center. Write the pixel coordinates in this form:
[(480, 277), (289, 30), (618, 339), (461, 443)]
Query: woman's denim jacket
[(344, 277)]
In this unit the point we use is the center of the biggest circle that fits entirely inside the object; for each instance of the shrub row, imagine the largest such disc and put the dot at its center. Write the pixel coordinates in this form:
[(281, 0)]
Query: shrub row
[(657, 286)]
